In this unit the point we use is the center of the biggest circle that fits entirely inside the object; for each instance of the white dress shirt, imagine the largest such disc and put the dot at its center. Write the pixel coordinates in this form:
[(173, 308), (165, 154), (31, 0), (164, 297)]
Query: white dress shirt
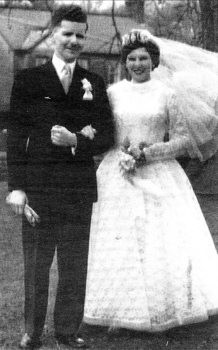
[(59, 64)]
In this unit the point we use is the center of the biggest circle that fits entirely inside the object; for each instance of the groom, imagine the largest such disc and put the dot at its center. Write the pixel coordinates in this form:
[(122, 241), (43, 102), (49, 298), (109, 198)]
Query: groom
[(60, 118)]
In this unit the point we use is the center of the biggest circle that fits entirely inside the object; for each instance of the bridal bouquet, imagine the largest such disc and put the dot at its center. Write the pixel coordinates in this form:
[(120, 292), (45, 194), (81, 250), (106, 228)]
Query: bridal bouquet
[(132, 156)]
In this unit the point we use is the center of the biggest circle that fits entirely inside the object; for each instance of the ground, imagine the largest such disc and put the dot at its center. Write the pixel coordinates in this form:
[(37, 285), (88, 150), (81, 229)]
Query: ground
[(202, 336)]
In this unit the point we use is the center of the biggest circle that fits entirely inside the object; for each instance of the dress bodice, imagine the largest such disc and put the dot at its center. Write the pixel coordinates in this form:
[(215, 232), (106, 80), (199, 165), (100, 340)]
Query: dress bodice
[(140, 111), (146, 112)]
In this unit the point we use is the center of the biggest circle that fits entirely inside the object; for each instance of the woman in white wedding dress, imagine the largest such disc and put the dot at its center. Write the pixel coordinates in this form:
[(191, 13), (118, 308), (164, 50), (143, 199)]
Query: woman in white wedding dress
[(152, 261)]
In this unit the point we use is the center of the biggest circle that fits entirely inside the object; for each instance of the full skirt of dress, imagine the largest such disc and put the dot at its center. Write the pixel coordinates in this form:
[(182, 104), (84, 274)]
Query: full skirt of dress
[(152, 262)]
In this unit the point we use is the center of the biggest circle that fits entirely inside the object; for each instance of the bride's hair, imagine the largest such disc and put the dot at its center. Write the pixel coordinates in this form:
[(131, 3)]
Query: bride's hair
[(136, 39)]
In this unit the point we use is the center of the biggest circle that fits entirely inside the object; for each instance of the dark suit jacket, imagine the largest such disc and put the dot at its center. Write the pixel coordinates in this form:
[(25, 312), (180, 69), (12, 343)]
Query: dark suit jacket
[(38, 102)]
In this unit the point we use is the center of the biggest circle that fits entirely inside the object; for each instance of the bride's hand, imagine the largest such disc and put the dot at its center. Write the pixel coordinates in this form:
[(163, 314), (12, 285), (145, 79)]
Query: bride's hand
[(135, 152), (88, 131)]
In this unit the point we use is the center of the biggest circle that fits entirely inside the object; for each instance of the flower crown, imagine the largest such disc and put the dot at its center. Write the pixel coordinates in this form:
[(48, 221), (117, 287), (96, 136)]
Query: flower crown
[(141, 35)]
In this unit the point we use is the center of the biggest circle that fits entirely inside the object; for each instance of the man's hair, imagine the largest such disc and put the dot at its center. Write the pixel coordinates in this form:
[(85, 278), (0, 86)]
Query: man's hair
[(71, 13)]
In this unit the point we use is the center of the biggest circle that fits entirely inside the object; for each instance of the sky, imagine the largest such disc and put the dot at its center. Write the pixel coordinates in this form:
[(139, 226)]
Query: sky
[(101, 5), (93, 4)]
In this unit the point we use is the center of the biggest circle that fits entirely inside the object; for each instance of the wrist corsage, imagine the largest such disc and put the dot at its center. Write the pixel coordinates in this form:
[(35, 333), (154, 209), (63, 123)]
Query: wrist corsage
[(132, 156)]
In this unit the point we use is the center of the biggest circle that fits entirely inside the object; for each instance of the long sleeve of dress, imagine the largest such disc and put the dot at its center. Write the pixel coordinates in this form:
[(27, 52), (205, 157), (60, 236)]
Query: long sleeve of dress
[(178, 143)]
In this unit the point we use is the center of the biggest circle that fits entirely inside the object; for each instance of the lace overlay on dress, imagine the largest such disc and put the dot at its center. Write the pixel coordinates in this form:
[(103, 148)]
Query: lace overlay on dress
[(152, 261)]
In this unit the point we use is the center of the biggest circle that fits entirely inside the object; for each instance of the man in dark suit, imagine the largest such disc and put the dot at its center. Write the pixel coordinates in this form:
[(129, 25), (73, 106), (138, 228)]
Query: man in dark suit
[(60, 118)]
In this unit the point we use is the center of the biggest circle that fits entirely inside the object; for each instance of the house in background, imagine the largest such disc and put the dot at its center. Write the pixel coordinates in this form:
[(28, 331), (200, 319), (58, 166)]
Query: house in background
[(24, 42)]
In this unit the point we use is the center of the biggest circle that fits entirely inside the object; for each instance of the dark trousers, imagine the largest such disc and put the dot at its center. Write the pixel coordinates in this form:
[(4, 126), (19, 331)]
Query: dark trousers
[(64, 227)]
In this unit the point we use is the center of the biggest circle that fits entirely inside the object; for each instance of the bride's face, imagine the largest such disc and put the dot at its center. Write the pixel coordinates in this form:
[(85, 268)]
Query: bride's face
[(138, 64)]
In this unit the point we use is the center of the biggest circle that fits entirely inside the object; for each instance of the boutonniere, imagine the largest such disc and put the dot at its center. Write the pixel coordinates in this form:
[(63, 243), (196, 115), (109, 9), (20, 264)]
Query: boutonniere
[(88, 90)]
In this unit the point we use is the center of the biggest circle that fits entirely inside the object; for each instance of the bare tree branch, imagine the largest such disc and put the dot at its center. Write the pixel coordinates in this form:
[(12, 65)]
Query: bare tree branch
[(117, 35)]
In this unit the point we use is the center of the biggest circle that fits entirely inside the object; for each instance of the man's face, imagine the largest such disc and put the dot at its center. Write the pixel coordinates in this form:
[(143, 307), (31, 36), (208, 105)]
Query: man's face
[(69, 39)]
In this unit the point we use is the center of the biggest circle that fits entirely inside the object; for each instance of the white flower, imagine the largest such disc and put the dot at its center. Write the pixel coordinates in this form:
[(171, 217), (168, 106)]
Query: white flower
[(88, 88), (144, 37), (133, 37), (127, 162), (125, 39), (86, 84)]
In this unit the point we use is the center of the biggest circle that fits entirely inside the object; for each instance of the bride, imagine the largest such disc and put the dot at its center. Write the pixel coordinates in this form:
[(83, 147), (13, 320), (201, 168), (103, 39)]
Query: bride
[(152, 261)]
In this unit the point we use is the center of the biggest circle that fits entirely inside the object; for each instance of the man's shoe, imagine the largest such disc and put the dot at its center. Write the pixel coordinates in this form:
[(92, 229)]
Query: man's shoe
[(29, 343), (73, 341)]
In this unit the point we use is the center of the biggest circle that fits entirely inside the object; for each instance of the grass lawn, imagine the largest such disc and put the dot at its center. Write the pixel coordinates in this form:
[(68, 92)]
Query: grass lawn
[(202, 336)]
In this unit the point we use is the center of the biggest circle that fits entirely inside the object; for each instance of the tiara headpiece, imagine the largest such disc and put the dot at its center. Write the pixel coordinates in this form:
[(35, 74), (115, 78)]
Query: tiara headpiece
[(141, 35)]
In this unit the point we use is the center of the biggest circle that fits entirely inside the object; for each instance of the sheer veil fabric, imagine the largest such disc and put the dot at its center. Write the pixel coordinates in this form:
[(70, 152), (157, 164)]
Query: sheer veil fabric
[(193, 73)]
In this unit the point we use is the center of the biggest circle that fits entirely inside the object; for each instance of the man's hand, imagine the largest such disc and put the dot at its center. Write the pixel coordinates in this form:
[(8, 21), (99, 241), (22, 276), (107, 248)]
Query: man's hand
[(60, 136), (31, 215), (88, 131), (17, 200)]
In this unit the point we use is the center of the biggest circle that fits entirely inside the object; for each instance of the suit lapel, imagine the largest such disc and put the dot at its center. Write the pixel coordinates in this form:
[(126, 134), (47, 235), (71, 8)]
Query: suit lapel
[(75, 90), (54, 88), (52, 82)]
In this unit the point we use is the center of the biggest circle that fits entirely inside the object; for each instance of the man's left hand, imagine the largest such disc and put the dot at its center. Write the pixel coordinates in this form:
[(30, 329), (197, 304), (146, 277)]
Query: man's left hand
[(60, 136), (88, 131)]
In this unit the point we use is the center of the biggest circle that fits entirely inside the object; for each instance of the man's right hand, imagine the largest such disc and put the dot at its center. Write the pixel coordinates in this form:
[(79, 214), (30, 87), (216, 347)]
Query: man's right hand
[(17, 200)]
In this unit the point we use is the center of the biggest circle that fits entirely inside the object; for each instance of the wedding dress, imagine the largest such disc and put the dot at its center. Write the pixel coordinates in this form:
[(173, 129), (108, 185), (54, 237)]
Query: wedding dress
[(152, 261)]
